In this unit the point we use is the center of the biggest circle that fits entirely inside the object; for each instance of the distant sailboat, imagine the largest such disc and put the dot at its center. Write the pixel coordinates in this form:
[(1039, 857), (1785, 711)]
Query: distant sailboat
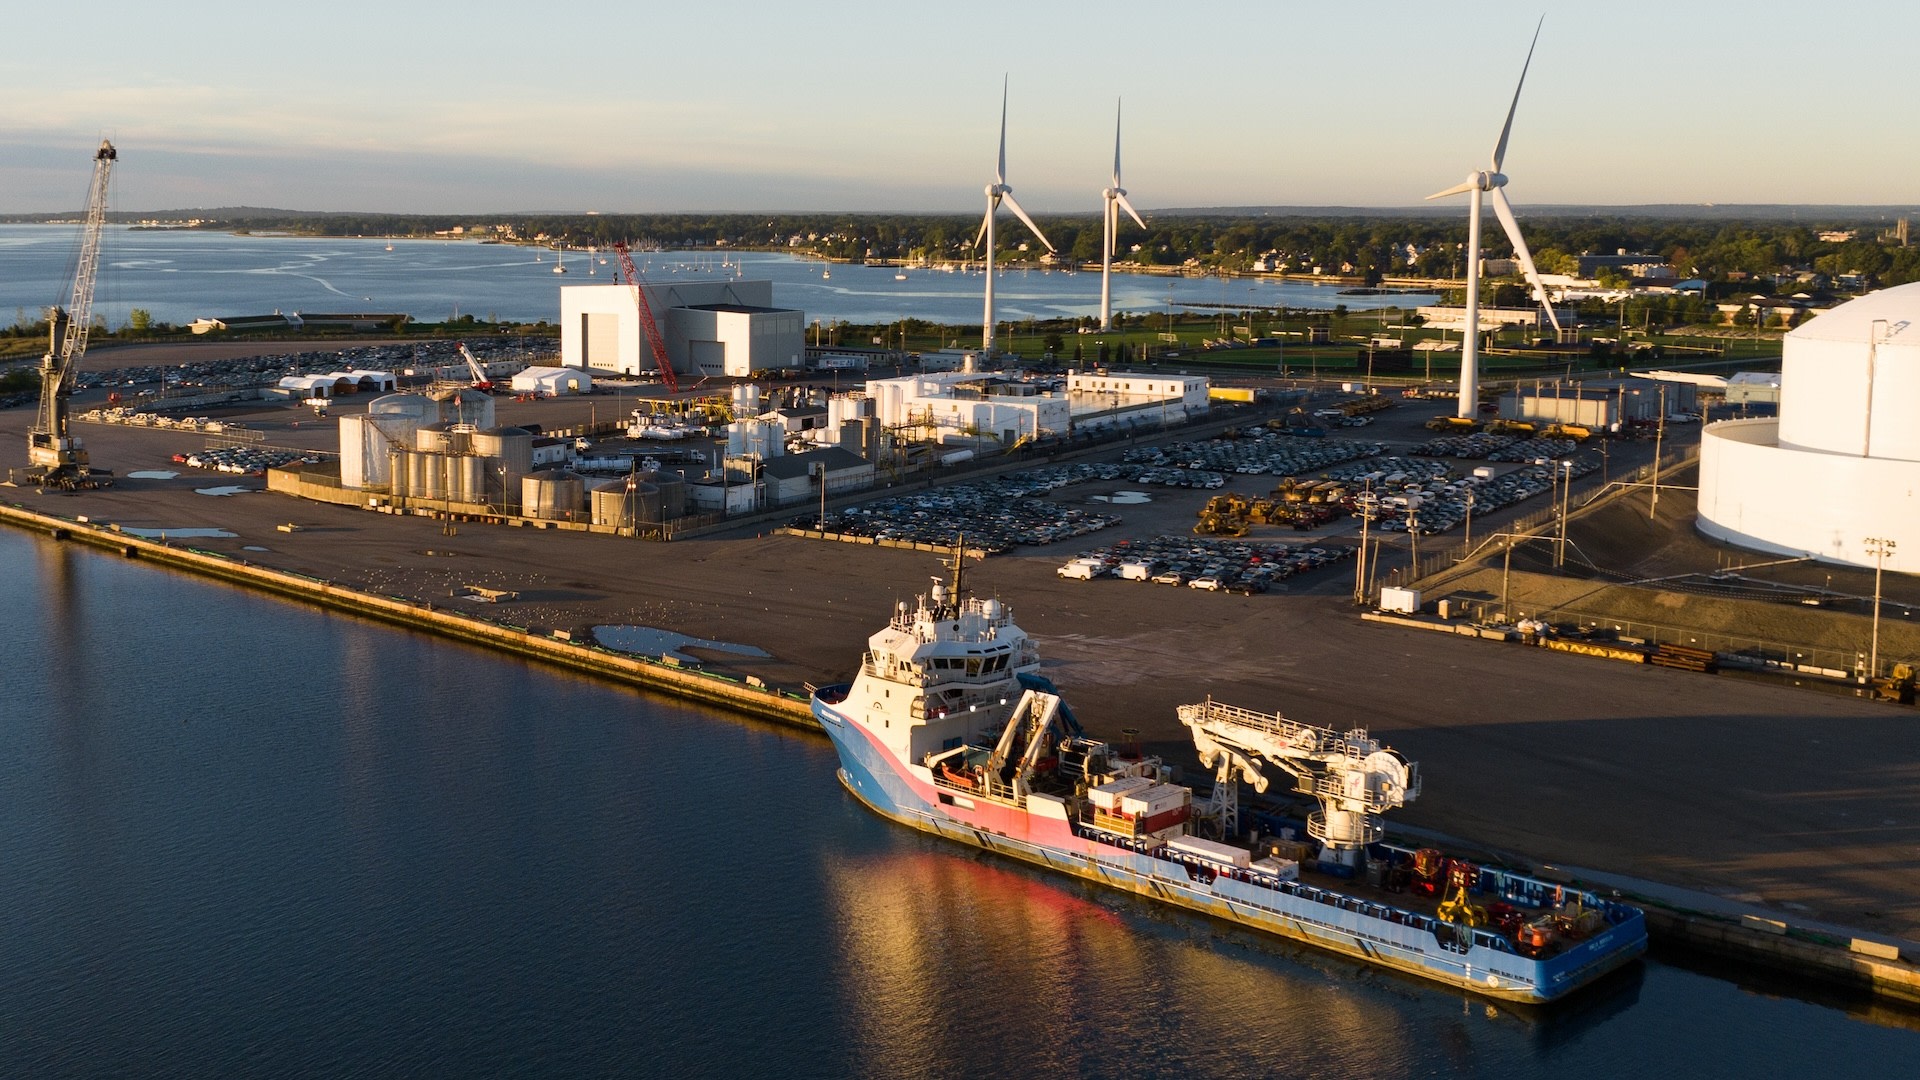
[(825, 273), (389, 245), (560, 260)]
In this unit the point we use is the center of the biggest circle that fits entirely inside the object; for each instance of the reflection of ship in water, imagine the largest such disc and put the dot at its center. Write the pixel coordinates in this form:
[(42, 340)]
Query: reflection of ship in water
[(949, 727)]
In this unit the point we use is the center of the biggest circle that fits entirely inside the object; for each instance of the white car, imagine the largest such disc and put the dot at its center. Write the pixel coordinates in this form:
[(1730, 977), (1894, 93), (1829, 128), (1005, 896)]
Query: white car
[(1209, 583)]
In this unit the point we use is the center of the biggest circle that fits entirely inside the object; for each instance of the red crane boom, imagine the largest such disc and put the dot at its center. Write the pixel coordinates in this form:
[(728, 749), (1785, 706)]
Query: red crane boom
[(652, 329)]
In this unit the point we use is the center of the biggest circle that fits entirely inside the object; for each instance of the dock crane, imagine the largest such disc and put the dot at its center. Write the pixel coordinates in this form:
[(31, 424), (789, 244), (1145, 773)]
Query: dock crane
[(651, 328), (55, 458), (1352, 775)]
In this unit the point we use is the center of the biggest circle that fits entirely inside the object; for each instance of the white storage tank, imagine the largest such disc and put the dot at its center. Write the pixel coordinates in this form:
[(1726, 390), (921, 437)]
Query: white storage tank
[(553, 495), (419, 408)]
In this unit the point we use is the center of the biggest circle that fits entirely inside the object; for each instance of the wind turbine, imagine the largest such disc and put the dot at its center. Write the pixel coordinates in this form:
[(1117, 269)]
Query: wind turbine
[(1491, 183), (1116, 197), (997, 193)]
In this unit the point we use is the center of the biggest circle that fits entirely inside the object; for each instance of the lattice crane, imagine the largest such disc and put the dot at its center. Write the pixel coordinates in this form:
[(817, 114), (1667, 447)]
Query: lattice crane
[(1354, 777), (54, 457), (651, 328)]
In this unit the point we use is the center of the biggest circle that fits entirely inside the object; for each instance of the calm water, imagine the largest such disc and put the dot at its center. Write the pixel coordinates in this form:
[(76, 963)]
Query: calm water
[(181, 276), (244, 838)]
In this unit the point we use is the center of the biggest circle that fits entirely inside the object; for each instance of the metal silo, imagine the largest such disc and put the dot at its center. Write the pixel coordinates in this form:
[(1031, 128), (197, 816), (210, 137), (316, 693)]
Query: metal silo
[(553, 494)]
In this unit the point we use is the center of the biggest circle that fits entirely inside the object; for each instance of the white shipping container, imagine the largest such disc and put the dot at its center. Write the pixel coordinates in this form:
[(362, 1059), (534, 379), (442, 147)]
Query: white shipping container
[(1108, 795), (1284, 869), (1157, 799), (1212, 850)]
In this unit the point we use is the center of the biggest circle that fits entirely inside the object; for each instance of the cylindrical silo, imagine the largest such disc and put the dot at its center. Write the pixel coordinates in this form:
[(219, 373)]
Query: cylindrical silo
[(467, 479), (419, 408), (552, 494), (434, 438), (468, 407), (397, 470), (423, 476), (614, 504), (672, 489), (508, 446)]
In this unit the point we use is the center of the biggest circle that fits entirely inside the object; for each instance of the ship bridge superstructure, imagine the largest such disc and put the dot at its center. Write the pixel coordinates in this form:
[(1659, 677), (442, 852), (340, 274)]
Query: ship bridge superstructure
[(945, 671)]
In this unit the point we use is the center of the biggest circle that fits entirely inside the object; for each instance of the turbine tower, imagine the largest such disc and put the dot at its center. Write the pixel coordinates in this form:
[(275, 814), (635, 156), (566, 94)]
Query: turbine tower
[(1491, 183), (997, 193), (1116, 199)]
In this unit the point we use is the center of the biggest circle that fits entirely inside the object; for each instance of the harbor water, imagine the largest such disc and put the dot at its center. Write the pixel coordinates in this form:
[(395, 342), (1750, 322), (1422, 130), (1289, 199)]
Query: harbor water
[(181, 275), (244, 837)]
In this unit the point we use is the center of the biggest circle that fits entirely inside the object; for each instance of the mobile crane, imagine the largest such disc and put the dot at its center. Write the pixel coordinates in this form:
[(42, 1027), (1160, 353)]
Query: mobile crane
[(481, 380), (55, 458)]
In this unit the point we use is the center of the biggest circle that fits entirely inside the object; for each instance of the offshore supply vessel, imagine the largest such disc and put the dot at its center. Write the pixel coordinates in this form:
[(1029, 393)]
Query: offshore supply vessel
[(949, 727)]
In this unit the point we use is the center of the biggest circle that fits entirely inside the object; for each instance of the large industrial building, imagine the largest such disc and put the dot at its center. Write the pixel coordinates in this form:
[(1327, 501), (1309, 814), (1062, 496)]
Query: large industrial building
[(1839, 467), (719, 328), (965, 406)]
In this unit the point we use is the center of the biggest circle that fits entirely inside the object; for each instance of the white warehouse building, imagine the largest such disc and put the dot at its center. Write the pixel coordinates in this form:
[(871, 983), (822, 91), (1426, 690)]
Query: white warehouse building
[(723, 328), (952, 405), (1841, 463)]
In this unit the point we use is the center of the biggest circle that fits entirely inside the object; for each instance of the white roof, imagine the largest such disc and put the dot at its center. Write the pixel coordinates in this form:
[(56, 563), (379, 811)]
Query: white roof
[(1898, 307), (1755, 378)]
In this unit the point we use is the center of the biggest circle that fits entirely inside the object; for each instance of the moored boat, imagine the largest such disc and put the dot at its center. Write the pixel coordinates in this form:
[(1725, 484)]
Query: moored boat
[(949, 727)]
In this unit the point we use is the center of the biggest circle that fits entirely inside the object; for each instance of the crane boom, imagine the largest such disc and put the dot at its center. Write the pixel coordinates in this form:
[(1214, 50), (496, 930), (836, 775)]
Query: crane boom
[(647, 325), (53, 455)]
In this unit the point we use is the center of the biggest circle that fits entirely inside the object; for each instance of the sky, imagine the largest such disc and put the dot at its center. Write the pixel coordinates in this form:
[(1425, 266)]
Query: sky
[(792, 105)]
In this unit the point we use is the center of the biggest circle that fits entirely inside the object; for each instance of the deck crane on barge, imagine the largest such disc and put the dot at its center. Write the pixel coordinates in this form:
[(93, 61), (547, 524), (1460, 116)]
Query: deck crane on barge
[(1354, 778), (55, 458), (647, 324)]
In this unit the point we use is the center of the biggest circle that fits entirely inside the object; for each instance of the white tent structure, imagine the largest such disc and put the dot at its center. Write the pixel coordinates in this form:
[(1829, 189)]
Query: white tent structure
[(553, 381)]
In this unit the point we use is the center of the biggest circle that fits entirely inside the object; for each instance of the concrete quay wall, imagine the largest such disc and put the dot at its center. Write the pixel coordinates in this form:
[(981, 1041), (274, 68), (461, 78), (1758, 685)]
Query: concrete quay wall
[(768, 703)]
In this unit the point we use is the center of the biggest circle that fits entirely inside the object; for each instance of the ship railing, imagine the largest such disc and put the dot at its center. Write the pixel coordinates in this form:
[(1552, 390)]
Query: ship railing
[(1369, 828), (1116, 823)]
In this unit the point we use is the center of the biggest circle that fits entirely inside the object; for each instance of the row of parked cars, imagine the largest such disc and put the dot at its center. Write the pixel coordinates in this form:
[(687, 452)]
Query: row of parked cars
[(994, 515), (1257, 450), (246, 460), (1207, 565)]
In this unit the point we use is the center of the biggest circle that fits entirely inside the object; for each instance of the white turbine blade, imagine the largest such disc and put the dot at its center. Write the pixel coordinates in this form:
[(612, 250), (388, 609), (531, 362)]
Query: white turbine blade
[(1457, 189), (1008, 199), (1000, 176), (1500, 148), (1504, 211), (1121, 198), (983, 226), (1116, 145)]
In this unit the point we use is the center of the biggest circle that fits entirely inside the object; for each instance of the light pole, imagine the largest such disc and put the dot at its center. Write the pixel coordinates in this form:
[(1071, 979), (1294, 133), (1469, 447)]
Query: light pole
[(1566, 500), (1881, 548), (1469, 538), (1365, 504)]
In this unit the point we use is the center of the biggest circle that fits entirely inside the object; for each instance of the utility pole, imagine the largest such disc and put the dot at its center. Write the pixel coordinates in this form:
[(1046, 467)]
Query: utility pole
[(1881, 548)]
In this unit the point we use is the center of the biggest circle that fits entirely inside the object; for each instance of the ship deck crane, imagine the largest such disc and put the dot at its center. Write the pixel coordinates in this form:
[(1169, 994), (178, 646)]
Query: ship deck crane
[(651, 329), (1354, 778), (55, 458)]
